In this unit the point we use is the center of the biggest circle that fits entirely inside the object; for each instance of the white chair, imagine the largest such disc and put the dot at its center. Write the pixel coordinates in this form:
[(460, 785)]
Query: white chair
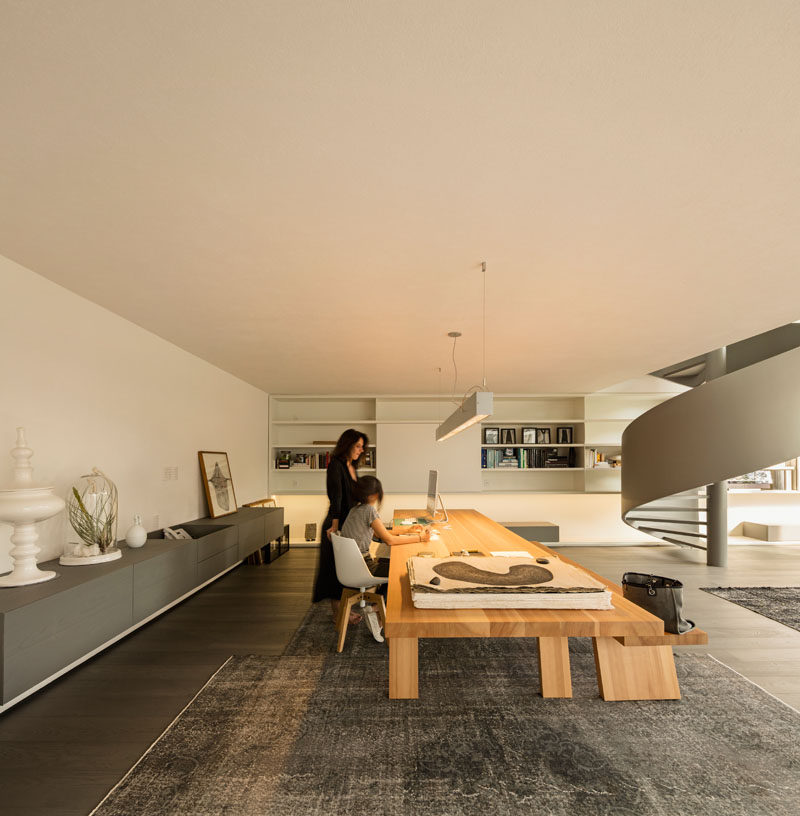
[(358, 582)]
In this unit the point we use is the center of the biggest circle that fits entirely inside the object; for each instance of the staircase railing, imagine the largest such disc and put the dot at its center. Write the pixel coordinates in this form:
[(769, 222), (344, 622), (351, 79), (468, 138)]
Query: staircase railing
[(738, 423)]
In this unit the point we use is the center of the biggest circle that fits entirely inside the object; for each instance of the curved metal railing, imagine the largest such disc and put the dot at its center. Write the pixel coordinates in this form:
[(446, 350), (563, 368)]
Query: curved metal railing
[(738, 423)]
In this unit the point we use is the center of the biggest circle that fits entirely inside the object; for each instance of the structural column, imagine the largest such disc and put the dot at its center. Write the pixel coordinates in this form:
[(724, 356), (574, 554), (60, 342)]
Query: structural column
[(717, 502), (717, 516)]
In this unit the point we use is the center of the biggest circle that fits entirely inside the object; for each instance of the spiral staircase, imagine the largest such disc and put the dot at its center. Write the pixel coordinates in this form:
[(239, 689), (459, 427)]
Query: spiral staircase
[(741, 414)]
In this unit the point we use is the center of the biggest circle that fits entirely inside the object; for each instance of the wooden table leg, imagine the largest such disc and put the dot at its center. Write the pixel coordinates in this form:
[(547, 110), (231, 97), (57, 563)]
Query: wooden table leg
[(554, 667), (635, 672), (403, 671)]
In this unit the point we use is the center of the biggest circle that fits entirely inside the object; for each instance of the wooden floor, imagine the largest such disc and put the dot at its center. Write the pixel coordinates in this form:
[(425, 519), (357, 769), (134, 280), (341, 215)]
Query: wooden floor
[(64, 748)]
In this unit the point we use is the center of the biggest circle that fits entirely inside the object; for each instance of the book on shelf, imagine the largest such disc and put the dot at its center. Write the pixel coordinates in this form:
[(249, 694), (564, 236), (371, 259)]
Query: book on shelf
[(300, 461), (599, 459), (523, 458), (305, 460)]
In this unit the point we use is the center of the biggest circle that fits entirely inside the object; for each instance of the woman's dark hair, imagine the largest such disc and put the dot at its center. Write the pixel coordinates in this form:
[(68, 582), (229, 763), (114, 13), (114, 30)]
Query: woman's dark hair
[(367, 486), (345, 444)]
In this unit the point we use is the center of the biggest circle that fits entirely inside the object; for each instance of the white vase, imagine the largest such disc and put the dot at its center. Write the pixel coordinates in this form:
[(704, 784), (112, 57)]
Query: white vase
[(136, 535), (24, 504)]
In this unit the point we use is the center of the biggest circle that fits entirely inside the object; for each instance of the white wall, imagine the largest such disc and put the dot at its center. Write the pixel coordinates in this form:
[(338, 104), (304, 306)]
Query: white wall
[(582, 518), (762, 507), (92, 389), (586, 518)]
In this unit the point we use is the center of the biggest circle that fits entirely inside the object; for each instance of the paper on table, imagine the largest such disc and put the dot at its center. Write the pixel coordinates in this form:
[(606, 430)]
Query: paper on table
[(512, 554)]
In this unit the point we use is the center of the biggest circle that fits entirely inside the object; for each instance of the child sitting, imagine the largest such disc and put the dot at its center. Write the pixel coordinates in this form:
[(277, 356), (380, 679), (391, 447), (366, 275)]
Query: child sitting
[(363, 523)]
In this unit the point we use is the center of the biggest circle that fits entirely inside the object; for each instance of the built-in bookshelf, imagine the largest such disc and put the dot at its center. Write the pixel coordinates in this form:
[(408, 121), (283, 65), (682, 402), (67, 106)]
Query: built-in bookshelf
[(558, 443), (552, 443), (303, 433)]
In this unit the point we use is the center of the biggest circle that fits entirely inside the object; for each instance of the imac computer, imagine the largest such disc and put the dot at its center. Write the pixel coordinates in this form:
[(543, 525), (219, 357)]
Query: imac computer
[(433, 496)]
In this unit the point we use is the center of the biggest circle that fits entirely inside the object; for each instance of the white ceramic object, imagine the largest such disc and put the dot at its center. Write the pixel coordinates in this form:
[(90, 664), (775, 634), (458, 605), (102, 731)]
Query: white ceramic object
[(23, 504), (136, 535), (76, 560)]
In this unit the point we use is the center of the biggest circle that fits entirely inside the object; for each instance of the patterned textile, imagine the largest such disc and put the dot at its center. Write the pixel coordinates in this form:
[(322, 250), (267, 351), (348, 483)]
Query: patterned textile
[(781, 604), (314, 733)]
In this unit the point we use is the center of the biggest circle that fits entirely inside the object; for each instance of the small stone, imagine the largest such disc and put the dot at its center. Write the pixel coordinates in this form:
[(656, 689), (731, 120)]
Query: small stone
[(436, 581)]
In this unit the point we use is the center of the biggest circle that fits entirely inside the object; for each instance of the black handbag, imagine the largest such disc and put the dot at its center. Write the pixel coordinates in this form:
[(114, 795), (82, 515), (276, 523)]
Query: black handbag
[(662, 597)]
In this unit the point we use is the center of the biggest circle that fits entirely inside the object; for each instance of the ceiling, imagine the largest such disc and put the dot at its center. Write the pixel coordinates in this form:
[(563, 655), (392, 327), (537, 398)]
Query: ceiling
[(302, 192)]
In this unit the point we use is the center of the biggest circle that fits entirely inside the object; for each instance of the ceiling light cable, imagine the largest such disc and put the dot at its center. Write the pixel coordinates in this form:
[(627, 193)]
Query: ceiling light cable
[(483, 269), (479, 387), (455, 335), (480, 404)]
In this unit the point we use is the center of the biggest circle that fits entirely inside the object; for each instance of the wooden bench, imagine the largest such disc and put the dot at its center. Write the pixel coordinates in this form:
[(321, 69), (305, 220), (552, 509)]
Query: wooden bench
[(542, 531), (697, 637), (620, 674)]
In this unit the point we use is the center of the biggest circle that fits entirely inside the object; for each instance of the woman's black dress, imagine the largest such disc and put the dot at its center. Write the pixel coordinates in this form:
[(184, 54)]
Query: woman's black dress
[(342, 498)]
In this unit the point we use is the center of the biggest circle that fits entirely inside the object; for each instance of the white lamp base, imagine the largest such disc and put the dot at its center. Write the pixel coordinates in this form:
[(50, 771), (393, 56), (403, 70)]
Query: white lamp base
[(23, 556), (23, 577)]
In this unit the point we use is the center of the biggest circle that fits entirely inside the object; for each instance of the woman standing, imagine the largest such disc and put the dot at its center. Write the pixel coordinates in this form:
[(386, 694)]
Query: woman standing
[(341, 480)]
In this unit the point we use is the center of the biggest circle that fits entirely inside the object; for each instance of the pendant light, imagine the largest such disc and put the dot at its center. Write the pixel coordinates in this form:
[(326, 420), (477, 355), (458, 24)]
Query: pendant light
[(478, 405)]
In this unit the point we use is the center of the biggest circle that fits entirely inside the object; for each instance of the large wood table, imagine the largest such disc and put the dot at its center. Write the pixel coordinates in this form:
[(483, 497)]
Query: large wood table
[(633, 657)]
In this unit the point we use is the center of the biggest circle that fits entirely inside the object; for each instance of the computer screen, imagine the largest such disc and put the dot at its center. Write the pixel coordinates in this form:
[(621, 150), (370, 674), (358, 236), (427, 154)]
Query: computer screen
[(433, 489)]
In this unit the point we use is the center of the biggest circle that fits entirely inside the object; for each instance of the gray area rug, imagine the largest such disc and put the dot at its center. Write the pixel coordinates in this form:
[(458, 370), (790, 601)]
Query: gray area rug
[(313, 732), (781, 604)]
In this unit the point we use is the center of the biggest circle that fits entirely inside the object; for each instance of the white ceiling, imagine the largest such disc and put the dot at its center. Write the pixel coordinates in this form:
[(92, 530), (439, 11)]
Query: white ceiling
[(302, 192)]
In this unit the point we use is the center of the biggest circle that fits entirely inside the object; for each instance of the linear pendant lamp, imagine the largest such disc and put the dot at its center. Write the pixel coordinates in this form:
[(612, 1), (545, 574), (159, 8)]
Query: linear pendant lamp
[(476, 407)]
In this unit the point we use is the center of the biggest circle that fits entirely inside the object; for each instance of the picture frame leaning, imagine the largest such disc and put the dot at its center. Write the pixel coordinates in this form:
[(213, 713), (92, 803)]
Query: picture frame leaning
[(215, 471)]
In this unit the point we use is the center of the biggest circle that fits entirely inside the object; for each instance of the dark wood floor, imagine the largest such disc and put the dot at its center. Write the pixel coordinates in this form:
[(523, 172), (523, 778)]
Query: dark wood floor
[(64, 748)]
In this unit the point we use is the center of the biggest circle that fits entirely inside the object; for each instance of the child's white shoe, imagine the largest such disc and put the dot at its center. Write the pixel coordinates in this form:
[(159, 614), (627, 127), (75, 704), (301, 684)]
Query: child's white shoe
[(374, 625)]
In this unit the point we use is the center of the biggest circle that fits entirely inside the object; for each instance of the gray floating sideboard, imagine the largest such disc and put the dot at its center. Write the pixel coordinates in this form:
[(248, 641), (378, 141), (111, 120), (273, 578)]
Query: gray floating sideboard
[(47, 629)]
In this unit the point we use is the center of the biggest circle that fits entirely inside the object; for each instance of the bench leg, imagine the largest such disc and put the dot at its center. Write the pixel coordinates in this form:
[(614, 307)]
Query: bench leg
[(635, 672), (554, 667), (403, 669)]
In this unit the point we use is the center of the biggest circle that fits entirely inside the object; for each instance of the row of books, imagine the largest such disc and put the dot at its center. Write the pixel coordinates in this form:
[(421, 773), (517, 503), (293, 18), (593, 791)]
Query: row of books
[(527, 458), (599, 459), (288, 460)]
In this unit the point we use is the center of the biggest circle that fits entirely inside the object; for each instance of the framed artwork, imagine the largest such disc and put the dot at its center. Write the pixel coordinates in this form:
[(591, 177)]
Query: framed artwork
[(508, 436), (564, 435), (529, 436), (542, 436), (491, 436), (216, 474)]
